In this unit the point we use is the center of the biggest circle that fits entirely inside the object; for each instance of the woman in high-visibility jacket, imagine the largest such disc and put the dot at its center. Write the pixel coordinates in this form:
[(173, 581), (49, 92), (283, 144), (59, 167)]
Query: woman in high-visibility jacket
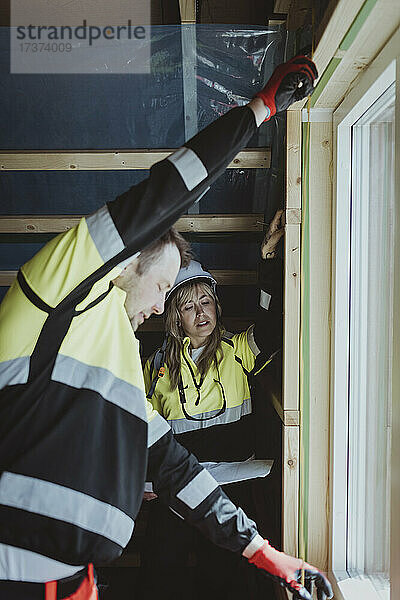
[(199, 382)]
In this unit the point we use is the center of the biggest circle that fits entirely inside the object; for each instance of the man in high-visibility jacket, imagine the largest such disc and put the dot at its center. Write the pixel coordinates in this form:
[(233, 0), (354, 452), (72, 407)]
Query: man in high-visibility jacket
[(76, 436)]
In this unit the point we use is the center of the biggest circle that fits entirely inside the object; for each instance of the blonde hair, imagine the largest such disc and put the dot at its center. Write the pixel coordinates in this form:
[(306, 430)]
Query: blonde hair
[(212, 352)]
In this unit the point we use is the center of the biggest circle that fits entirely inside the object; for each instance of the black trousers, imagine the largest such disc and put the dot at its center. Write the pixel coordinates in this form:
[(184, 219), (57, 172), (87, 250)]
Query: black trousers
[(179, 562)]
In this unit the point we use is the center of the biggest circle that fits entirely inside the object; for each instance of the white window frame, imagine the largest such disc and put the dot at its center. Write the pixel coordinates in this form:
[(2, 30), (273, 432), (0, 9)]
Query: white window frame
[(370, 86)]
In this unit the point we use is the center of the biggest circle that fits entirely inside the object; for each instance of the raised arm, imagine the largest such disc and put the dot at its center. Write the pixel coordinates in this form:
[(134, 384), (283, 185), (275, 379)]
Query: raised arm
[(147, 210)]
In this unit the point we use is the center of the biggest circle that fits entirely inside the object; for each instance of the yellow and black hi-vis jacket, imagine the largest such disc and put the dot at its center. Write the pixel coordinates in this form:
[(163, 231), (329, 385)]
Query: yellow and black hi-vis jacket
[(213, 417), (74, 430)]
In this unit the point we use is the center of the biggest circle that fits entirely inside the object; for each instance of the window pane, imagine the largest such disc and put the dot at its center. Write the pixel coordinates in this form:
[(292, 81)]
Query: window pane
[(371, 305)]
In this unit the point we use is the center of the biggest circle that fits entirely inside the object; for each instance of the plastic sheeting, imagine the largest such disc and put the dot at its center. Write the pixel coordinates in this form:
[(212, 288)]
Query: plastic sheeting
[(222, 66), (228, 65)]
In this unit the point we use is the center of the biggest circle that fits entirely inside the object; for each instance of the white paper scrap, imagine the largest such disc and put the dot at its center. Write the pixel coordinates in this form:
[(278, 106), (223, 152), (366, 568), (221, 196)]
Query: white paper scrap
[(230, 472)]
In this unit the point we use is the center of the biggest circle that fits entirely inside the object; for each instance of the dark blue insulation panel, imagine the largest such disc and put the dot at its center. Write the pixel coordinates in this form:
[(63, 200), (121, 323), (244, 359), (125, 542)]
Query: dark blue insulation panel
[(82, 192), (62, 192)]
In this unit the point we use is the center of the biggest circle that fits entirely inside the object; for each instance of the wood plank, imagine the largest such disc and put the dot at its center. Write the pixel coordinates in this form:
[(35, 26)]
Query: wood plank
[(276, 19), (291, 325), (288, 417), (7, 277), (103, 160), (317, 363), (188, 11), (282, 6), (369, 41), (293, 160), (330, 34), (223, 277), (290, 489), (188, 223), (293, 216), (291, 417)]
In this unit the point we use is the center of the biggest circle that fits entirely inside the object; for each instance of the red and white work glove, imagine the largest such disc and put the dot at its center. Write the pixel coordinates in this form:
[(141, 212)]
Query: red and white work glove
[(287, 571), (290, 82)]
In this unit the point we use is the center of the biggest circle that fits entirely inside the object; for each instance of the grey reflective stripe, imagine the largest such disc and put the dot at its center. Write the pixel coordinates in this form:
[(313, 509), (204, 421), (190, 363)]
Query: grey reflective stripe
[(252, 342), (157, 428), (24, 565), (189, 166), (229, 416), (201, 195), (64, 504), (198, 489), (104, 234), (14, 371), (77, 374)]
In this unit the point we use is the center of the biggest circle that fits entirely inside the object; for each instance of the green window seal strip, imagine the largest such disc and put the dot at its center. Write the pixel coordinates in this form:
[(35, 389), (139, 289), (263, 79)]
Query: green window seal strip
[(330, 69), (305, 353), (356, 25)]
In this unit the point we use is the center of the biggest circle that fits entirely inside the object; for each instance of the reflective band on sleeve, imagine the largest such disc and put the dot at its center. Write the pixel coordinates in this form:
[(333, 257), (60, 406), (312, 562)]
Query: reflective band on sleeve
[(64, 504), (79, 375), (189, 166), (14, 371), (198, 489), (156, 429), (254, 545), (265, 299), (252, 342), (104, 234)]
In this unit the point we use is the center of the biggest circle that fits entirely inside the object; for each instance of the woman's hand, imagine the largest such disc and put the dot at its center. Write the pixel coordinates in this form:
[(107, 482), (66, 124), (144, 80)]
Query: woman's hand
[(275, 231)]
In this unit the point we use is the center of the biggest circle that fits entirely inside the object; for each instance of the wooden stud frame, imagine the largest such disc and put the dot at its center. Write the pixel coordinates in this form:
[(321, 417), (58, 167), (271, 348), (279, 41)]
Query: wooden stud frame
[(188, 11), (317, 361), (187, 224), (105, 160), (290, 488), (289, 409), (292, 263)]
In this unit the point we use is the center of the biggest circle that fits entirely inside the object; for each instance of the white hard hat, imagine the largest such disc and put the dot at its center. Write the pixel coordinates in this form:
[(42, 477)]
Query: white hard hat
[(193, 272)]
